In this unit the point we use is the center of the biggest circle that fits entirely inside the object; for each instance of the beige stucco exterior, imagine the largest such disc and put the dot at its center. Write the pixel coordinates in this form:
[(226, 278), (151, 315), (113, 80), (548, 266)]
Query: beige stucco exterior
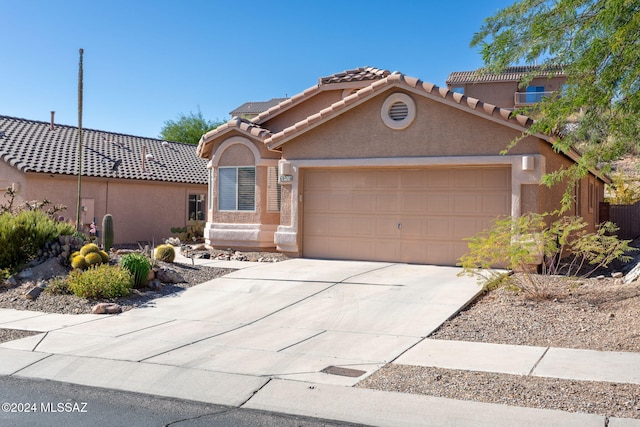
[(334, 129), (142, 211)]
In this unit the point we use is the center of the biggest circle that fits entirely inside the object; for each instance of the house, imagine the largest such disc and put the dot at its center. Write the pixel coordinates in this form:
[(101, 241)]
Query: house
[(148, 185), (504, 89), (373, 165), (249, 110)]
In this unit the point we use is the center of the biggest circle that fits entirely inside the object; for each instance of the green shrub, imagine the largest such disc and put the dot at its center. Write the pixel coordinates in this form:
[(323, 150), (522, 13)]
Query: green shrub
[(24, 233), (102, 281), (58, 285), (165, 253), (139, 266)]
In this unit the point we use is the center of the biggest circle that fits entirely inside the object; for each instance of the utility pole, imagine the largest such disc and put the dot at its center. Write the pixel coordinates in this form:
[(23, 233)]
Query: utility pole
[(79, 202)]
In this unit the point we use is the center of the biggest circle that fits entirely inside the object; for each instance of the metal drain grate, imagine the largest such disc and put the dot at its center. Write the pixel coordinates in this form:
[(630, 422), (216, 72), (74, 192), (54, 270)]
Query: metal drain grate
[(344, 372)]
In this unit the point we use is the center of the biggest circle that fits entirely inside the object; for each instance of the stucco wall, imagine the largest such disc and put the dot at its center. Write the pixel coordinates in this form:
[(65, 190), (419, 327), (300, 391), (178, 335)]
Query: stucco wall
[(142, 210), (503, 94), (10, 177), (438, 130)]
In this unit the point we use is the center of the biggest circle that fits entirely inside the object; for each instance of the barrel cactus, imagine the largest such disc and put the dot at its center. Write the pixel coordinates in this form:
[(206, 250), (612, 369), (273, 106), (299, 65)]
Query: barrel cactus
[(165, 253), (107, 232), (139, 266), (89, 248), (89, 255)]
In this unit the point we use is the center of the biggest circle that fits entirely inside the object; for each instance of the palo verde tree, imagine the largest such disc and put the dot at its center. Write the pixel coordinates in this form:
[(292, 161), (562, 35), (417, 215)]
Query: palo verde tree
[(187, 128), (597, 44)]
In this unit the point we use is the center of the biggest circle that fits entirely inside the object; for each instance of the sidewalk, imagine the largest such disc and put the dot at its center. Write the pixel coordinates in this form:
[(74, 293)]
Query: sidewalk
[(260, 338)]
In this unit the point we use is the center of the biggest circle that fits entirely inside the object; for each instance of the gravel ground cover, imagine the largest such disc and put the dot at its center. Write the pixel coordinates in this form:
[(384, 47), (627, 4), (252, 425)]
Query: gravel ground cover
[(585, 314), (589, 314)]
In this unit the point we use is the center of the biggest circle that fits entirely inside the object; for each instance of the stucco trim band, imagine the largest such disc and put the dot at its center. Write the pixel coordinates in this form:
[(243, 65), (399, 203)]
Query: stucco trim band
[(240, 235)]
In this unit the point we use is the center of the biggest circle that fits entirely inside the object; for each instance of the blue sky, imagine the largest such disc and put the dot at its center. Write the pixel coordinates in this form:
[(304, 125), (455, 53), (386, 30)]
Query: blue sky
[(146, 62)]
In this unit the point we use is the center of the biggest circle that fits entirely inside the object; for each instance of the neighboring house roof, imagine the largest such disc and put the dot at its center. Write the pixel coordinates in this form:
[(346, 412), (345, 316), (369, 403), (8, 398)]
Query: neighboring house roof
[(510, 74), (32, 146), (254, 108)]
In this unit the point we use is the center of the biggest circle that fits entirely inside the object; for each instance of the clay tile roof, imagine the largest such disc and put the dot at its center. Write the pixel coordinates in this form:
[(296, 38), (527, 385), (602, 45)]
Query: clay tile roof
[(31, 146), (510, 74), (256, 107), (356, 75)]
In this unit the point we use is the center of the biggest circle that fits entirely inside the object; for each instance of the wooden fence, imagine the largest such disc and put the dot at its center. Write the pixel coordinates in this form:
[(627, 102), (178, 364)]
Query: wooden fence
[(626, 217)]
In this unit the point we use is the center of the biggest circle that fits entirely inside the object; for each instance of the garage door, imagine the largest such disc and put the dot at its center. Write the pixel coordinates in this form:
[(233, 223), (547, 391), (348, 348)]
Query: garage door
[(400, 215)]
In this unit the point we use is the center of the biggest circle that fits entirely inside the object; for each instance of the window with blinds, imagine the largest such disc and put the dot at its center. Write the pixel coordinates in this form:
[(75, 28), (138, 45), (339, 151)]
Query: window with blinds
[(237, 188), (274, 193)]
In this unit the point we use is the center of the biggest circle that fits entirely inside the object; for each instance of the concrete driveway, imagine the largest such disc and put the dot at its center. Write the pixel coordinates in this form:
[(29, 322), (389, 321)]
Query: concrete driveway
[(324, 322)]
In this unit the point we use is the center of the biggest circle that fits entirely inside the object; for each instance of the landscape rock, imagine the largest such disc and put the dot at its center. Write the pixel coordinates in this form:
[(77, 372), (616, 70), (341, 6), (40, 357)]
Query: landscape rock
[(11, 282), (25, 274), (616, 275), (34, 292), (633, 274), (106, 308), (169, 275), (154, 285)]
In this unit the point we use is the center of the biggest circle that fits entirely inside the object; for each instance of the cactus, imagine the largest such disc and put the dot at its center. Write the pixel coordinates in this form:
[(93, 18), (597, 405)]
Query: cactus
[(79, 262), (107, 232), (105, 257), (89, 248), (139, 266), (165, 253), (93, 258)]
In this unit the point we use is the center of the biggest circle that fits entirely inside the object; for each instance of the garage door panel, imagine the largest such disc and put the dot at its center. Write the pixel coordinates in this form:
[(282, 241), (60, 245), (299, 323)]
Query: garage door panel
[(496, 178), (387, 202), (467, 179), (439, 227), (386, 227), (364, 201), (438, 202), (413, 201), (438, 178), (413, 179), (354, 214), (466, 227), (467, 203)]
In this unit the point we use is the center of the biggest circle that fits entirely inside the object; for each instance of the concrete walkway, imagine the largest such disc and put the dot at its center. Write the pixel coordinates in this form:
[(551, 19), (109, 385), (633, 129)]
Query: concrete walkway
[(294, 337)]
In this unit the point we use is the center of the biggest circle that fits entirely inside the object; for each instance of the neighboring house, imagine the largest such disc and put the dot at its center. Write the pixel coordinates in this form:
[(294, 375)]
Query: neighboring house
[(249, 110), (504, 89), (148, 185), (373, 165)]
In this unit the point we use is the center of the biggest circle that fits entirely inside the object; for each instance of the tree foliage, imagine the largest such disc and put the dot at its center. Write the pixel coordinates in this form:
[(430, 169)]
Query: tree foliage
[(597, 44), (561, 246), (187, 128)]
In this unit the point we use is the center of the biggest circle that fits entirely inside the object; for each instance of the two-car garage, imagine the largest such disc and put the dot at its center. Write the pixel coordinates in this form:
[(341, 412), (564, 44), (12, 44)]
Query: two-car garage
[(418, 215)]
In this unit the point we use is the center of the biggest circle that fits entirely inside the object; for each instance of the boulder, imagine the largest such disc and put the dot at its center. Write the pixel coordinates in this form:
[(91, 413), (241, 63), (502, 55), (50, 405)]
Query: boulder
[(106, 308), (169, 275)]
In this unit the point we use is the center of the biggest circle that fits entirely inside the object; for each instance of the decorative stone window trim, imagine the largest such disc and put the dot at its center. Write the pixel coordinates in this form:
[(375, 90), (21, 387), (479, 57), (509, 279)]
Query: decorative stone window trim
[(398, 111)]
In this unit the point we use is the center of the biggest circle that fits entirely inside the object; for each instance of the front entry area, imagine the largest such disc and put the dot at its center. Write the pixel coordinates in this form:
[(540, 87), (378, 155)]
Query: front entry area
[(413, 215)]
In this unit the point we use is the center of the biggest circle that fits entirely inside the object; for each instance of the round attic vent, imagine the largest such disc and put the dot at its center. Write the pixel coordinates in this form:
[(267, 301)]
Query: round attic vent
[(398, 111)]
